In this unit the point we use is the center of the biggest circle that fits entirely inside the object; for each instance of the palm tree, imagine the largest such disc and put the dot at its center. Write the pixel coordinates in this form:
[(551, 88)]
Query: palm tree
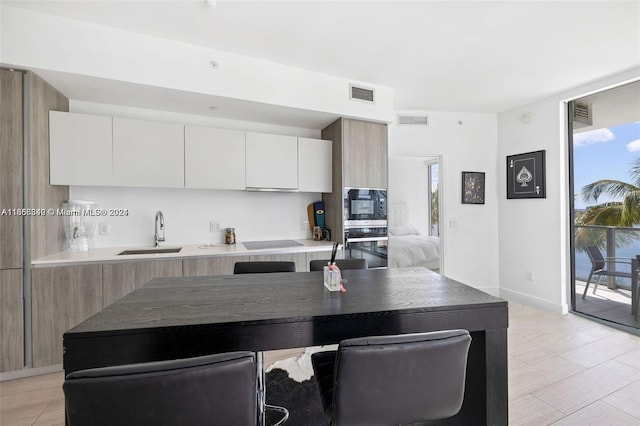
[(615, 213)]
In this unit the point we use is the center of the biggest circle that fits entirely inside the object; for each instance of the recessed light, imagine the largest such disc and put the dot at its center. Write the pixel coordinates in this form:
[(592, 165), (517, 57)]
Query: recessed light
[(214, 64)]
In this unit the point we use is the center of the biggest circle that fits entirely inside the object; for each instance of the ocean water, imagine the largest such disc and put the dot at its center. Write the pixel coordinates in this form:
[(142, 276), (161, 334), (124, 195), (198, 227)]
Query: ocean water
[(583, 264)]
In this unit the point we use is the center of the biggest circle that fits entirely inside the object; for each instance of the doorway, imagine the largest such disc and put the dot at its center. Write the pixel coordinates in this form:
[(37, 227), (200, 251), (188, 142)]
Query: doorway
[(414, 212), (604, 138)]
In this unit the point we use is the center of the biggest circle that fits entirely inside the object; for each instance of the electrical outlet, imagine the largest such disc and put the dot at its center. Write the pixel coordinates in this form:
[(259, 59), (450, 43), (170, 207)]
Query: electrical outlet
[(214, 226), (529, 276), (103, 228), (305, 225), (453, 223)]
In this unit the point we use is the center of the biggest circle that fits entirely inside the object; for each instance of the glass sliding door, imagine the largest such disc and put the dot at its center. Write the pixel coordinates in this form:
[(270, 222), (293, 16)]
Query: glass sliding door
[(605, 179)]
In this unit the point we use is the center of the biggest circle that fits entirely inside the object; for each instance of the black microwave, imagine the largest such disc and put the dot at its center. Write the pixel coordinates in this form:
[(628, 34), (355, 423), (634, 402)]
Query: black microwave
[(363, 204)]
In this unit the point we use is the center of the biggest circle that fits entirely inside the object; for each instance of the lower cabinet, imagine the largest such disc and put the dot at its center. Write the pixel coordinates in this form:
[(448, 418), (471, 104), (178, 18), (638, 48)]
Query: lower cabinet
[(120, 279), (300, 258), (316, 255), (61, 298), (211, 265), (11, 320)]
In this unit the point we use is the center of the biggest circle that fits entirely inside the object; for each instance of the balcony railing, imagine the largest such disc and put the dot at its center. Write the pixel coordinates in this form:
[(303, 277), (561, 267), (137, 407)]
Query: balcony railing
[(614, 241)]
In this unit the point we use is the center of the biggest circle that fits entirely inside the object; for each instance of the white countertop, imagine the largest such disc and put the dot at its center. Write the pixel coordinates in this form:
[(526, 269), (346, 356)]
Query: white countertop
[(110, 254)]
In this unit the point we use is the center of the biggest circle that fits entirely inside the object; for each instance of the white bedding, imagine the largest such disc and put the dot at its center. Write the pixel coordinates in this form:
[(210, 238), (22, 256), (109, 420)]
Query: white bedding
[(414, 250)]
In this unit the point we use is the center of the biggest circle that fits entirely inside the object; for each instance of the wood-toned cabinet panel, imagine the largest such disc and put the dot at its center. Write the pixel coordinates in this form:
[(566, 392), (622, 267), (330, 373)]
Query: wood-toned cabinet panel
[(61, 298), (300, 259), (11, 170), (325, 255), (365, 154), (47, 232), (222, 265), (120, 279), (11, 320)]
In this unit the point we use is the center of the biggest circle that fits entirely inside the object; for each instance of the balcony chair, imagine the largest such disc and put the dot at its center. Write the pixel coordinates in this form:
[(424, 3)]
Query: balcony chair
[(210, 389), (599, 266), (319, 264), (263, 267), (385, 380)]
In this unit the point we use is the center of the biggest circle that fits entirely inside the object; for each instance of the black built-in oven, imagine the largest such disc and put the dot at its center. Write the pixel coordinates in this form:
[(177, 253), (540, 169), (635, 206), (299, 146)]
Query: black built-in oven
[(364, 204), (365, 225)]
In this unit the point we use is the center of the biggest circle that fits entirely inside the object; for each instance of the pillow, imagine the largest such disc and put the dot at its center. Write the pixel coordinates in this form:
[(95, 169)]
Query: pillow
[(404, 230)]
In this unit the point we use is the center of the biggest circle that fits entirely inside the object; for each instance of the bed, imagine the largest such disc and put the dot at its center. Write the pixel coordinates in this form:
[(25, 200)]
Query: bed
[(407, 245)]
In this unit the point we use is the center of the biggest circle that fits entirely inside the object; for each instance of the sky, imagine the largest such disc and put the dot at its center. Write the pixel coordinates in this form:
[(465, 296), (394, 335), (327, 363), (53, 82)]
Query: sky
[(604, 154)]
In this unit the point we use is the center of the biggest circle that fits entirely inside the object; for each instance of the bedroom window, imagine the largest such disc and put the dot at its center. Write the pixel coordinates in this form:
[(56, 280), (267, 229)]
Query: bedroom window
[(434, 222)]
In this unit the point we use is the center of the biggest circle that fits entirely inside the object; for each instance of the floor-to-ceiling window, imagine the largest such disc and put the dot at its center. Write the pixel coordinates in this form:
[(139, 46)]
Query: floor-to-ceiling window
[(605, 153)]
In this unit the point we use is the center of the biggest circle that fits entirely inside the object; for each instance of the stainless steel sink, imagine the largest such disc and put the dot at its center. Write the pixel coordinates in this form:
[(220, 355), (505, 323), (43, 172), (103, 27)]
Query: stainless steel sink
[(157, 250)]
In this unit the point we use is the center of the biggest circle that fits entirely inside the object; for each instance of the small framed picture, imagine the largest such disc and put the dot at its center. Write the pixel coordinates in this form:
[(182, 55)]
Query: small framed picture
[(472, 187), (526, 175)]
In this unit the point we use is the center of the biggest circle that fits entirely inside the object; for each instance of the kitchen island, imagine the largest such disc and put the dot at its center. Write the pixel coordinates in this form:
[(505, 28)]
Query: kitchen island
[(182, 317)]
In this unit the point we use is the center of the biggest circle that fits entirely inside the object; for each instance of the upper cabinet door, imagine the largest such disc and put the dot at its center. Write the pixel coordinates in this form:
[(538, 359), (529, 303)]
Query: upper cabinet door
[(79, 149), (214, 158), (365, 154), (314, 165), (272, 161), (148, 153)]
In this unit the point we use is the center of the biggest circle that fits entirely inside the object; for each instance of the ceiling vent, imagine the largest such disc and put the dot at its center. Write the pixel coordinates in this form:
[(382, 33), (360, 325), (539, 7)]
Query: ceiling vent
[(582, 114), (361, 93), (413, 120)]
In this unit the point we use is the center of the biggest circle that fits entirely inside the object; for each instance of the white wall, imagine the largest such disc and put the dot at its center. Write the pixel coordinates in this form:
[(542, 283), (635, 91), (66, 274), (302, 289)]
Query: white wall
[(465, 142), (187, 212), (534, 233), (531, 230)]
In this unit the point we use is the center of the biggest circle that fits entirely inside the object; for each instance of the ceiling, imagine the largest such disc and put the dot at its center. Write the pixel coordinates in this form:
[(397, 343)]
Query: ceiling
[(475, 56)]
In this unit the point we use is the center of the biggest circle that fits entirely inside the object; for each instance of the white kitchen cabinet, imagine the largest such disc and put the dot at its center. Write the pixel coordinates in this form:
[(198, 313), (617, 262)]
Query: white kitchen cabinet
[(148, 153), (314, 165), (271, 161), (80, 149), (214, 158)]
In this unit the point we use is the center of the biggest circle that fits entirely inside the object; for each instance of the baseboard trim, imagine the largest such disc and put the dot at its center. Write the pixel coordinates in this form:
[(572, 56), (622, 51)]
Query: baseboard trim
[(494, 291), (29, 372), (527, 299)]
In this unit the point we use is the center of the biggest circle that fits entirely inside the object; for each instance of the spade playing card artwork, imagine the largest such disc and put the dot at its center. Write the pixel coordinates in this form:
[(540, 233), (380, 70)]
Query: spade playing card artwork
[(526, 175)]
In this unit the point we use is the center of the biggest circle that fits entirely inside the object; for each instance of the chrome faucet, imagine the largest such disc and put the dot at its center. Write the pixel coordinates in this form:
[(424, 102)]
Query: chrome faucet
[(159, 236)]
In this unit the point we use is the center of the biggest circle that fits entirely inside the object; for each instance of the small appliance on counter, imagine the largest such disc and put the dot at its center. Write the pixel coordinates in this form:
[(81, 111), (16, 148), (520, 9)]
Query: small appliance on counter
[(80, 219), (315, 212)]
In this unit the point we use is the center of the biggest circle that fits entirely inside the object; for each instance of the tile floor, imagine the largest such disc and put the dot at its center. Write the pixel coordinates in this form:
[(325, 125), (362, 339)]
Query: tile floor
[(563, 370)]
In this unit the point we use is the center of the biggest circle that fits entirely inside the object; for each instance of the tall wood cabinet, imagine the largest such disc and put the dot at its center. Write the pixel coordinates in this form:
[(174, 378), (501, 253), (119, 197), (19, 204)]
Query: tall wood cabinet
[(11, 169), (26, 102), (11, 304), (360, 160)]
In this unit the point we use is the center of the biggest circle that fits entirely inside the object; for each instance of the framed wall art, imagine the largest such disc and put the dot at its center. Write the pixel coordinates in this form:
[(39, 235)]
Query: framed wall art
[(526, 175), (472, 187)]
